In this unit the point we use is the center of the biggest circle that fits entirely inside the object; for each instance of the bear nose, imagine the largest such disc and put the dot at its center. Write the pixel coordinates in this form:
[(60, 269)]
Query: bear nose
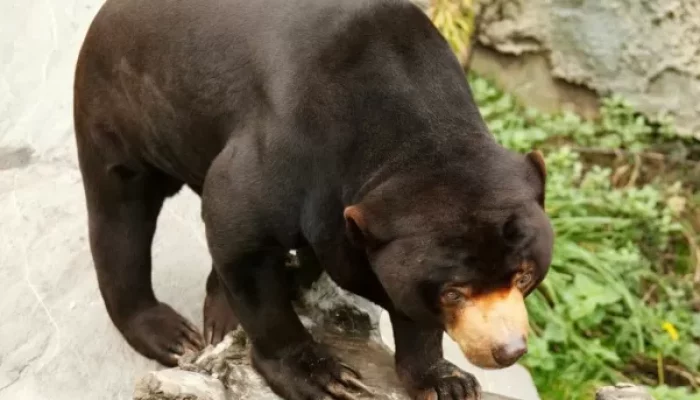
[(508, 353)]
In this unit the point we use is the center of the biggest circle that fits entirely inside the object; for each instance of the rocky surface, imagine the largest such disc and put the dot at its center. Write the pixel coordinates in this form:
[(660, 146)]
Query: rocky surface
[(647, 50), (342, 321), (623, 391), (224, 372)]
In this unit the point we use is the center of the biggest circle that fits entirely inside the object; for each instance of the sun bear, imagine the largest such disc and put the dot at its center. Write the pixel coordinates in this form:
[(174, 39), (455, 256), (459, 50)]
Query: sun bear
[(344, 129)]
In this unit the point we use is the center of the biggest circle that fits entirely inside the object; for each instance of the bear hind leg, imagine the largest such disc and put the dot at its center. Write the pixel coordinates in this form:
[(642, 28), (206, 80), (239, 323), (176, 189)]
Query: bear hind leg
[(124, 199)]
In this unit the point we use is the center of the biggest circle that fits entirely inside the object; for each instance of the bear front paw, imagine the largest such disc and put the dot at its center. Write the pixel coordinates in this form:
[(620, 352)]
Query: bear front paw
[(444, 381), (309, 371)]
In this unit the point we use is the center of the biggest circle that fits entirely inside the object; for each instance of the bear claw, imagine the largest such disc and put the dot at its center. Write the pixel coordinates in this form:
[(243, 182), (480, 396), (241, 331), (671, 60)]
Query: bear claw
[(219, 318), (445, 381), (160, 333), (310, 371)]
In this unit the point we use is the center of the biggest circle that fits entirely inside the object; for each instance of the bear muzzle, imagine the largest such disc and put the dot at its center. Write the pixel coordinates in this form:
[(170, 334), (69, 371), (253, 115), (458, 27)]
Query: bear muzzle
[(491, 329)]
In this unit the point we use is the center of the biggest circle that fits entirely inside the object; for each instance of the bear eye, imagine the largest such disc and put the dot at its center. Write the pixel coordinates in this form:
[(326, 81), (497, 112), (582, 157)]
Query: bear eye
[(452, 296), (523, 280)]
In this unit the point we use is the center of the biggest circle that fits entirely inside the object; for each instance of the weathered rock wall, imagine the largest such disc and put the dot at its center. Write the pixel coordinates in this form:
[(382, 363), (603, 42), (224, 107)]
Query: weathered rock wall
[(567, 53)]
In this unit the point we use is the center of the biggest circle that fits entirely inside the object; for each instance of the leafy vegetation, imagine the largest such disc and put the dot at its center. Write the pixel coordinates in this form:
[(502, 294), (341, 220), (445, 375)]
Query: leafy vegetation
[(619, 301)]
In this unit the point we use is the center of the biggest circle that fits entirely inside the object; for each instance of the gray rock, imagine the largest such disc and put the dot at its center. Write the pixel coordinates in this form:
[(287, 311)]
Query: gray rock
[(217, 373), (342, 321), (623, 391), (648, 50), (176, 384)]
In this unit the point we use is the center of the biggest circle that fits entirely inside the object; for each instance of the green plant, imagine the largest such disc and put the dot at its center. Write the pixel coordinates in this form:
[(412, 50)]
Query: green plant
[(664, 392), (607, 311)]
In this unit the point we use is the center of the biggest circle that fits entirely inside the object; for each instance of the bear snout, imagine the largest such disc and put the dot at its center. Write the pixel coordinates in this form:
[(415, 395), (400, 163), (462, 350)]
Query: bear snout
[(491, 329)]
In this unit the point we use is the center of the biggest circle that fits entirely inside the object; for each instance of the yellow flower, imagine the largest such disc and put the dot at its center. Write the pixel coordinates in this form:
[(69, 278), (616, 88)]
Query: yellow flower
[(671, 330)]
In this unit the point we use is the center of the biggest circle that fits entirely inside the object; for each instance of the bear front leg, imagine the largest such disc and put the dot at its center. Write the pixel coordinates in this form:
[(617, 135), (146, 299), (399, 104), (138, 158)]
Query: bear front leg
[(250, 263), (425, 374), (284, 353)]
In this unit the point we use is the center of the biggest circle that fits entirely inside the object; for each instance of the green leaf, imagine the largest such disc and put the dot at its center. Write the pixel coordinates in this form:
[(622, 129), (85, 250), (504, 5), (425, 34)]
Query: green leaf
[(695, 327)]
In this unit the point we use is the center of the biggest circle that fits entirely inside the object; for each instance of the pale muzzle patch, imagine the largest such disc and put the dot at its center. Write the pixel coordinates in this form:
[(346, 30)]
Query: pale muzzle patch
[(491, 329)]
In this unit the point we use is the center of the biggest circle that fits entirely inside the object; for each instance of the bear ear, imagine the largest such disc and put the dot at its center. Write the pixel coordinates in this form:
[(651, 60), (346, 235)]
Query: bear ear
[(536, 158), (356, 226)]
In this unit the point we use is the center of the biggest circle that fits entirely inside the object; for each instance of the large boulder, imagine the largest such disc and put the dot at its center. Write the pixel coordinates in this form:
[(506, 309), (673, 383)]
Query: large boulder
[(567, 53)]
